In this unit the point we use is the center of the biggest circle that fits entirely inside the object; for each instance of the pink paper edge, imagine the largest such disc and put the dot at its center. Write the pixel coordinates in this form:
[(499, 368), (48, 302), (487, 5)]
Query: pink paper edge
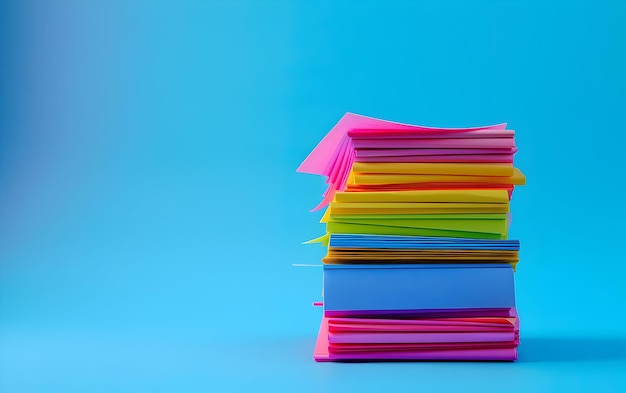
[(321, 353), (317, 160)]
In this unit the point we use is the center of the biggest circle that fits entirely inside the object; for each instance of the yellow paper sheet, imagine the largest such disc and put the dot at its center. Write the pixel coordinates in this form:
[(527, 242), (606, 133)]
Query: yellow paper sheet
[(416, 208), (473, 216), (433, 168), (337, 227), (336, 261), (456, 255), (517, 179), (324, 240), (488, 226), (469, 196)]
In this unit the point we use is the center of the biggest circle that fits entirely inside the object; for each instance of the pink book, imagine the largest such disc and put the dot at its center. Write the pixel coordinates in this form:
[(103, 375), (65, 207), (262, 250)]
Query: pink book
[(492, 158), (487, 352)]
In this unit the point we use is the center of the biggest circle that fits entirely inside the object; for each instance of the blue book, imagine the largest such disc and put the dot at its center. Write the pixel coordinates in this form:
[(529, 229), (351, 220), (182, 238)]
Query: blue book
[(410, 288), (419, 242)]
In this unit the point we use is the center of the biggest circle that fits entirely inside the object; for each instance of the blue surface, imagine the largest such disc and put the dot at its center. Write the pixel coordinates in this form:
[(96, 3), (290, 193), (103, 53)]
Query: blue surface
[(150, 212)]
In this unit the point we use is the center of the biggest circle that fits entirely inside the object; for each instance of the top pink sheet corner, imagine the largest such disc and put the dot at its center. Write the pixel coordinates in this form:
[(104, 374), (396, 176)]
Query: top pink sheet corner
[(318, 160)]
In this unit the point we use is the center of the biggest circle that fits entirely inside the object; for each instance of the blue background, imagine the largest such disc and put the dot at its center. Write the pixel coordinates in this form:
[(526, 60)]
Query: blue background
[(150, 210)]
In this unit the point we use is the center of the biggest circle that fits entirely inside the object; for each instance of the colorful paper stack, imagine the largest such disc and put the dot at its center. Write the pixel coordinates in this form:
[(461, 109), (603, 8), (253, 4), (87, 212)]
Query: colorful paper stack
[(418, 265)]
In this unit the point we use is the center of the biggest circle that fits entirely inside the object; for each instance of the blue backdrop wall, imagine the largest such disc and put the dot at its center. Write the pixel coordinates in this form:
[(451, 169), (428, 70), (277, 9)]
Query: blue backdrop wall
[(150, 210)]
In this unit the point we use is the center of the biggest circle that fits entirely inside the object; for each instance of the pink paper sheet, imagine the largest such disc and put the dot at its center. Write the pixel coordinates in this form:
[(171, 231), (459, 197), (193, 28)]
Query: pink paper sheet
[(419, 337), (433, 327), (317, 161), (439, 133), (492, 158), (429, 152), (492, 143), (508, 321), (334, 155), (487, 353), (356, 348)]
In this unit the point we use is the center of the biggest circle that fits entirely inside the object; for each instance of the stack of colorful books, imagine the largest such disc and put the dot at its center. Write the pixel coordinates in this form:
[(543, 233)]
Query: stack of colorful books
[(418, 265)]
